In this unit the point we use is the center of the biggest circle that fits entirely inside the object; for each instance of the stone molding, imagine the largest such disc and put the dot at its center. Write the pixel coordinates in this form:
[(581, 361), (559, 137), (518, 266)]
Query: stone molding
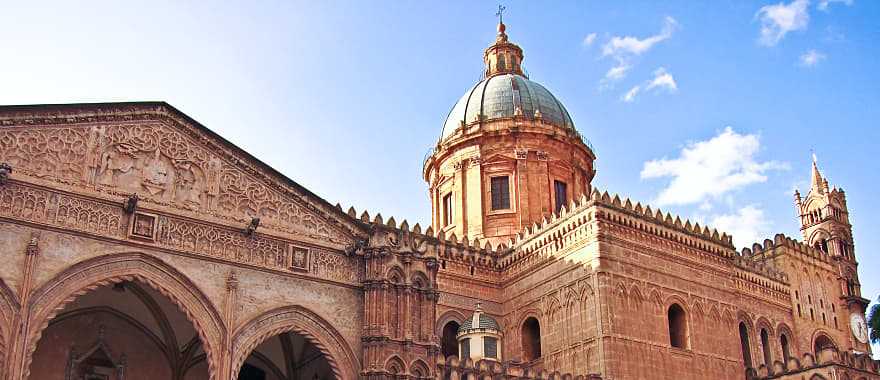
[(92, 273), (311, 326)]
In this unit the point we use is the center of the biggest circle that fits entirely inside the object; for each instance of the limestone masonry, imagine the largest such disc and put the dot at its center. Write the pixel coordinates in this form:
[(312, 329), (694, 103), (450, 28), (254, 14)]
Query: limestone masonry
[(139, 245)]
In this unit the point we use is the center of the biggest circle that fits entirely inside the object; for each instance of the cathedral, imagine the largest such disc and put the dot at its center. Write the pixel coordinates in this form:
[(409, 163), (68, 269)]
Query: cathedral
[(140, 245)]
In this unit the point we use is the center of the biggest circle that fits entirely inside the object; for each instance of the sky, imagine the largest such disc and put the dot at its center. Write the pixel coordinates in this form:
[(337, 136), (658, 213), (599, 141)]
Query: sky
[(709, 110)]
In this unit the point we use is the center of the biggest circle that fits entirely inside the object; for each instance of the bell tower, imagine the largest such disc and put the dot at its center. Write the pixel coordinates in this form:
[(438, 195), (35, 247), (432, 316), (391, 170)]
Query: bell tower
[(824, 218)]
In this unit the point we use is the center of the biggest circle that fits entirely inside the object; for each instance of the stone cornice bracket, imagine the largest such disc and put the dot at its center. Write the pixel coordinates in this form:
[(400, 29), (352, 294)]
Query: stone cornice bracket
[(252, 227), (131, 203), (356, 248), (5, 173)]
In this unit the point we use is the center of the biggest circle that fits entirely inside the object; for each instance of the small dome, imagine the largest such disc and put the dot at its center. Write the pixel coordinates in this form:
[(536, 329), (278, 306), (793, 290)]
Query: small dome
[(502, 96), (485, 322)]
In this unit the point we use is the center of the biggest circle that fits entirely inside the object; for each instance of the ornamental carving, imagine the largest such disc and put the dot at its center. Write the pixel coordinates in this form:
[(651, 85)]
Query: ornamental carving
[(41, 206), (161, 165)]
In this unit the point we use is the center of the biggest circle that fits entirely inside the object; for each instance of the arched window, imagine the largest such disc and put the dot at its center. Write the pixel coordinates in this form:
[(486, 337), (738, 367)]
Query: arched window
[(744, 342), (448, 344), (822, 342), (786, 352), (531, 339), (677, 326), (765, 346)]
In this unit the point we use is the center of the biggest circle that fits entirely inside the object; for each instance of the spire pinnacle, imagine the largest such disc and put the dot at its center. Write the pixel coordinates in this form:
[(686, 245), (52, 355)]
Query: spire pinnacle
[(817, 183), (502, 57)]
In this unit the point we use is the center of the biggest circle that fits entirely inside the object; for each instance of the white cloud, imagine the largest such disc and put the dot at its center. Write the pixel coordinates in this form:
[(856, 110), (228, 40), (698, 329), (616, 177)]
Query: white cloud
[(631, 94), (628, 45), (709, 169), (811, 58), (663, 79), (779, 19), (823, 4), (624, 48), (589, 39), (747, 225)]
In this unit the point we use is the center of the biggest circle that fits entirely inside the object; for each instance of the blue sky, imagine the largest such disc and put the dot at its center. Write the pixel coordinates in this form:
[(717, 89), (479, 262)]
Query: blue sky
[(727, 98)]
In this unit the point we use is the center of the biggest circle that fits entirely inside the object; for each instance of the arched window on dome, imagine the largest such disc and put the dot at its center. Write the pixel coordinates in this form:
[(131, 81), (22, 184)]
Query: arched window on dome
[(678, 334), (744, 344), (531, 339), (501, 64)]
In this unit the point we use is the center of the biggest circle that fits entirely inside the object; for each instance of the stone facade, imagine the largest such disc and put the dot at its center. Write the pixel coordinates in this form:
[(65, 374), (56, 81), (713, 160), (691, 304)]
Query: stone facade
[(138, 244)]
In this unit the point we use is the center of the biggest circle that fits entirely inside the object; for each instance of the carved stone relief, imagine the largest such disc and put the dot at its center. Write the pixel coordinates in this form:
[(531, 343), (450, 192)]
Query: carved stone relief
[(161, 165)]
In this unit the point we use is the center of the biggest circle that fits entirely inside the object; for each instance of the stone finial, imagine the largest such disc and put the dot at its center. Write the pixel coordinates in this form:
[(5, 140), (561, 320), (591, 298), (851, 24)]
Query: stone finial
[(5, 173)]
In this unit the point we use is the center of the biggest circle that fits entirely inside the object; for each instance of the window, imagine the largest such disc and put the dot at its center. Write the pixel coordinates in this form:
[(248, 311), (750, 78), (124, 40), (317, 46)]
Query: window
[(490, 347), (822, 342), (786, 352), (531, 339), (561, 191), (765, 345), (465, 348), (677, 326), (448, 344), (500, 193), (447, 209), (744, 343)]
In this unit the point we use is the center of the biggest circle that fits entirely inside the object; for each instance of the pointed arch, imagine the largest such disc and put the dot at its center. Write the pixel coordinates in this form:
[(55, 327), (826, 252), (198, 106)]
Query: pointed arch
[(394, 366), (395, 275), (50, 298), (316, 330), (420, 281), (9, 306), (636, 294), (418, 369)]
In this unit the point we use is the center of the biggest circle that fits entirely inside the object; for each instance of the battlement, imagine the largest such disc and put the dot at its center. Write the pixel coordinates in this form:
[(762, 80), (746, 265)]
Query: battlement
[(454, 369), (829, 357), (438, 246), (768, 248)]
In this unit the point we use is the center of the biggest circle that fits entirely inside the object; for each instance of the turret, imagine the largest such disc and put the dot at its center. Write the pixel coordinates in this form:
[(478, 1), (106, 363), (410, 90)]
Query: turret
[(479, 337)]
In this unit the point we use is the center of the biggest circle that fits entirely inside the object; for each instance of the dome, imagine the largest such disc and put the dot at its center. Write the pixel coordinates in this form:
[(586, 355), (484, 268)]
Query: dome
[(499, 96), (485, 322)]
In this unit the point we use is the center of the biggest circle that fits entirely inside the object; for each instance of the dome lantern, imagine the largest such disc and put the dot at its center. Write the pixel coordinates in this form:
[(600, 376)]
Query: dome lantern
[(479, 337)]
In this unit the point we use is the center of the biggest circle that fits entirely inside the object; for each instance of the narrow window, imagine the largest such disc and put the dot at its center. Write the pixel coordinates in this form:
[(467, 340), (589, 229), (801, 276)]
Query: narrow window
[(765, 345), (531, 339), (799, 311), (500, 193), (797, 295), (812, 315), (447, 209), (677, 326), (448, 344), (786, 352), (744, 343), (465, 348), (561, 190), (490, 347)]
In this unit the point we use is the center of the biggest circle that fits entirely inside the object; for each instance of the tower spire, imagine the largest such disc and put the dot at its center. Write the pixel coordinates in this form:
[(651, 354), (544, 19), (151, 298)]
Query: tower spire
[(817, 183)]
